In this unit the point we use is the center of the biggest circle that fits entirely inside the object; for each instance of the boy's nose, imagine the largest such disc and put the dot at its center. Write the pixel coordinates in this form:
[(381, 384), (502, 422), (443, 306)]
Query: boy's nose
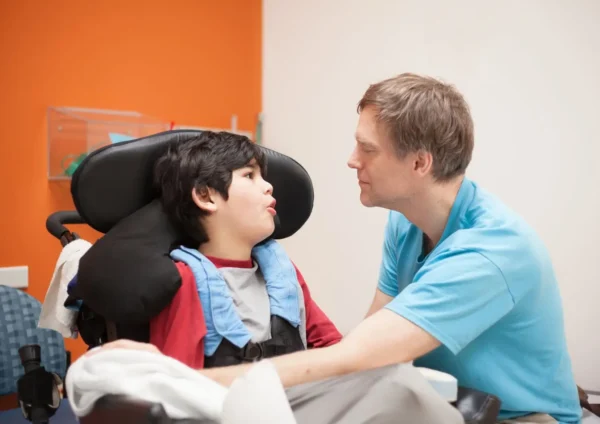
[(268, 188)]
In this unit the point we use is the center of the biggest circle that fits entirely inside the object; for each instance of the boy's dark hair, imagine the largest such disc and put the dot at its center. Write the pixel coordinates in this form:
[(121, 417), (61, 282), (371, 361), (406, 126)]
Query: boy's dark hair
[(202, 162)]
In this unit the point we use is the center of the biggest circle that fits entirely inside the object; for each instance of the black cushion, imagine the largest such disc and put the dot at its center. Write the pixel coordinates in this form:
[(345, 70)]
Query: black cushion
[(118, 409), (127, 276), (115, 181), (477, 407)]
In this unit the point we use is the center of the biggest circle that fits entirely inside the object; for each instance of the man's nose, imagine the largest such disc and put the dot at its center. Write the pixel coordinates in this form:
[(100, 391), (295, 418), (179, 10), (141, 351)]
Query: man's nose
[(353, 160)]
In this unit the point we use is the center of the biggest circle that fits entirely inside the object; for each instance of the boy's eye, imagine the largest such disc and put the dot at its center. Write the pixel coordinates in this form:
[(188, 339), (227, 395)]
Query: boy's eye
[(250, 175)]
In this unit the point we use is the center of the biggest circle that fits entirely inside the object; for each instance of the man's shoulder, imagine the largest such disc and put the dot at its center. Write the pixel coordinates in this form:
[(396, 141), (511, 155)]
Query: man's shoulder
[(507, 243), (487, 208), (507, 247), (488, 220)]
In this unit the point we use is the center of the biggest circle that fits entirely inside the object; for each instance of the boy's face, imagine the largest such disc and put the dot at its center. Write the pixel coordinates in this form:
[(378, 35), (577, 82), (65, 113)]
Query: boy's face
[(247, 215)]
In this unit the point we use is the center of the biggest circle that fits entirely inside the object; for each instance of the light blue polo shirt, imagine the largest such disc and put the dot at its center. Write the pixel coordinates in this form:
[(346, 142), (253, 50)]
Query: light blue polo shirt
[(489, 294)]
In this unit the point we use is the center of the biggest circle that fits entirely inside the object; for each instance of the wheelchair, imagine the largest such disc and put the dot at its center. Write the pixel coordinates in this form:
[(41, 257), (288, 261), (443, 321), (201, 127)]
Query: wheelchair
[(127, 277)]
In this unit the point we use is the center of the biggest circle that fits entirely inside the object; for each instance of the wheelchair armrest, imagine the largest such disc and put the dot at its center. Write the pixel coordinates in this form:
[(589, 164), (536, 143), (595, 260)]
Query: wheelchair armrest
[(118, 409), (477, 407)]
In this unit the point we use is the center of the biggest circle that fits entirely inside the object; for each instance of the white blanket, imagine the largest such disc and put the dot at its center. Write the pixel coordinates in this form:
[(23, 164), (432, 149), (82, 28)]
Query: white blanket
[(184, 393), (54, 315), (257, 396)]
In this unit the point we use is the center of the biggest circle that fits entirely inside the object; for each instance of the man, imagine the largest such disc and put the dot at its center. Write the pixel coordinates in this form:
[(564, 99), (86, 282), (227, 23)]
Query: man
[(466, 286)]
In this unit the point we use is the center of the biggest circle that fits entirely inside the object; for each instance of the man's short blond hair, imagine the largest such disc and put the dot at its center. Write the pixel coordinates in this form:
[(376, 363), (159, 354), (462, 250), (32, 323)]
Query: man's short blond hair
[(423, 113)]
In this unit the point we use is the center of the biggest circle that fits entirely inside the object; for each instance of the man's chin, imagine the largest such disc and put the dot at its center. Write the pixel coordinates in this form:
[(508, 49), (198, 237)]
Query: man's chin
[(366, 201)]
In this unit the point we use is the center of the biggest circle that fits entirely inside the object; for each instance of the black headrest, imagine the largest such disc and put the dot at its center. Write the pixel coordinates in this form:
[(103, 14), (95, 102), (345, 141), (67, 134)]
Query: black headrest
[(127, 275), (115, 181)]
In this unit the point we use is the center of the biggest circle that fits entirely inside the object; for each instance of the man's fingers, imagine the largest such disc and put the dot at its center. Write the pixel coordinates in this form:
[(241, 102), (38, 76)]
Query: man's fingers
[(124, 344)]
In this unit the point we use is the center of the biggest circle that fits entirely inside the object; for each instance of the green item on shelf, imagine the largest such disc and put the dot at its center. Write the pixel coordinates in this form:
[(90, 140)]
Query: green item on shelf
[(77, 159), (70, 170)]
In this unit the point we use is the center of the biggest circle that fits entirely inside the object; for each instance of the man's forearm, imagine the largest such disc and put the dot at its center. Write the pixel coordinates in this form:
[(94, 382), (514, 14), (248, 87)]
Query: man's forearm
[(296, 368), (315, 364), (383, 339)]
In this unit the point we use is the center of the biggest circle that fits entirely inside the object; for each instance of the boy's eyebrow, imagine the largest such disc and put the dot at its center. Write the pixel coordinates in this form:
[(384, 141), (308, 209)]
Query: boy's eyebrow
[(251, 165)]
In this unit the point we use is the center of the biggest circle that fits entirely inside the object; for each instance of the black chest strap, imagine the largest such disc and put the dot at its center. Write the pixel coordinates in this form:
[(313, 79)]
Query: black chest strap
[(284, 339)]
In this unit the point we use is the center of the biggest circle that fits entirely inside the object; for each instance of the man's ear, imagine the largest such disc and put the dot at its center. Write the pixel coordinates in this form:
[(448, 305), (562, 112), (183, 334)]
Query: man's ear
[(204, 199), (423, 162)]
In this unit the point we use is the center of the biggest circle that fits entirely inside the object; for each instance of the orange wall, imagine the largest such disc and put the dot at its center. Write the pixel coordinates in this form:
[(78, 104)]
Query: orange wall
[(195, 62)]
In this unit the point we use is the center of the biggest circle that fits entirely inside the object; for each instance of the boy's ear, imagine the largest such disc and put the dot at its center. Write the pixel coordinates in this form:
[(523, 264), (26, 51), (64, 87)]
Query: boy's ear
[(204, 199)]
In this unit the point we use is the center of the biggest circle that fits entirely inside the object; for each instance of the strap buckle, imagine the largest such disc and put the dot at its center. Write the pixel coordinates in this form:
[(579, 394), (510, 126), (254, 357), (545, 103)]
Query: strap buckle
[(252, 352)]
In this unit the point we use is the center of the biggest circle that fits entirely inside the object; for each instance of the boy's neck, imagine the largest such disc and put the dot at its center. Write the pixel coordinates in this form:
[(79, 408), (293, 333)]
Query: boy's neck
[(230, 250)]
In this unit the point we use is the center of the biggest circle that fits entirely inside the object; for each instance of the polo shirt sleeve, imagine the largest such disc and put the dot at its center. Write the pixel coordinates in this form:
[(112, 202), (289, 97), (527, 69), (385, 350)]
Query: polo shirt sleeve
[(388, 270), (455, 297)]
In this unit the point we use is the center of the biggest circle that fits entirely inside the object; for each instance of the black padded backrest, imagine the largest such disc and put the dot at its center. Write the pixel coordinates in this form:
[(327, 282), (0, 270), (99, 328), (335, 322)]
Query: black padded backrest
[(116, 181), (128, 276)]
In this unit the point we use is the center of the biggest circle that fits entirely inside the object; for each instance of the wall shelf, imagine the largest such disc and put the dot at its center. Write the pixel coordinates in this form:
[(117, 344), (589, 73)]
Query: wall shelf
[(73, 133)]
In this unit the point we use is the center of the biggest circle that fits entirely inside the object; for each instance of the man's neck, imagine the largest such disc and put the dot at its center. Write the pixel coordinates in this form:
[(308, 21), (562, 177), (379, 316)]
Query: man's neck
[(430, 209), (223, 248)]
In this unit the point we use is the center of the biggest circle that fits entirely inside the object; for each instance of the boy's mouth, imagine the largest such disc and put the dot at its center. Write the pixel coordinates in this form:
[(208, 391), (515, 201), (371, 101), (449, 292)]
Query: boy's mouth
[(271, 208)]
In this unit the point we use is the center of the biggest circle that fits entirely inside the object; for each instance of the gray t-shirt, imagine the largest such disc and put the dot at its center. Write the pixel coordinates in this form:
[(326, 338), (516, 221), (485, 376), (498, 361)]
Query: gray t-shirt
[(248, 290)]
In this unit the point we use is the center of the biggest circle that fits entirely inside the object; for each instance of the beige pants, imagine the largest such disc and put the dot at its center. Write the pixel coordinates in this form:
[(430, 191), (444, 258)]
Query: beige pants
[(395, 394), (532, 419)]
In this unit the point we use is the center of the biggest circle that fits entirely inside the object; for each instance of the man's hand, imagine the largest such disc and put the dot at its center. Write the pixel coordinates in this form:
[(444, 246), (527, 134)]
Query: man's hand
[(125, 344), (220, 375)]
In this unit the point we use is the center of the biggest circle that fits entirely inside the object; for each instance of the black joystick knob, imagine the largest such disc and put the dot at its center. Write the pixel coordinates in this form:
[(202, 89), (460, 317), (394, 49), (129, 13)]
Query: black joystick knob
[(31, 357)]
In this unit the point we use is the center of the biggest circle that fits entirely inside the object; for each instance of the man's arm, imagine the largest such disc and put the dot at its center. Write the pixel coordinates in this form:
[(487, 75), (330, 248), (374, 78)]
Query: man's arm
[(379, 301), (384, 338), (444, 304)]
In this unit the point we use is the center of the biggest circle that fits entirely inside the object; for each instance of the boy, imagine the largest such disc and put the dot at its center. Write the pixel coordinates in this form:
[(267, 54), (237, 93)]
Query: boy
[(235, 303)]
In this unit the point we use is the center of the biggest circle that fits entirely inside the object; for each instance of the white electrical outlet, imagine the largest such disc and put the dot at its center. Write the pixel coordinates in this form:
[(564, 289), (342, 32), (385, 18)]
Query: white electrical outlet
[(14, 276)]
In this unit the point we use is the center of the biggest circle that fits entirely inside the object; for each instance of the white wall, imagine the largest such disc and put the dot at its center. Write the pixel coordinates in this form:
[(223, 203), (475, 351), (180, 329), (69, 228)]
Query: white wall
[(531, 73)]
